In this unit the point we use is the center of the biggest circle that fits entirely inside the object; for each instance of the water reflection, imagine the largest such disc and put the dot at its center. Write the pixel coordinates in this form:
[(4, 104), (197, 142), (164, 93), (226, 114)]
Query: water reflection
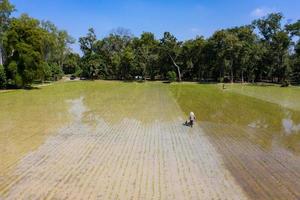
[(290, 127), (77, 108), (258, 124)]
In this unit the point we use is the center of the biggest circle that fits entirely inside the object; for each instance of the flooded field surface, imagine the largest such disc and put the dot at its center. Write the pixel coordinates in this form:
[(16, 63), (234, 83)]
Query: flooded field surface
[(114, 140), (259, 141)]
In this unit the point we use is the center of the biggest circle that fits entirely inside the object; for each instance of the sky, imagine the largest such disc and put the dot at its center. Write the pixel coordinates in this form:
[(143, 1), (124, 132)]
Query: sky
[(184, 18)]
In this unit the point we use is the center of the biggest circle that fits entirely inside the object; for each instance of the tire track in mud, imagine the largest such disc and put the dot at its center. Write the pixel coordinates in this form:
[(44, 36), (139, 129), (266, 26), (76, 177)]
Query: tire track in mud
[(126, 160)]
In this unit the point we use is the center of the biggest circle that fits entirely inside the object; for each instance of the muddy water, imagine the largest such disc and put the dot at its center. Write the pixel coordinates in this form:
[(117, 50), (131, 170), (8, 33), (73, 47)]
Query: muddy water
[(259, 140), (113, 140), (140, 150), (27, 118)]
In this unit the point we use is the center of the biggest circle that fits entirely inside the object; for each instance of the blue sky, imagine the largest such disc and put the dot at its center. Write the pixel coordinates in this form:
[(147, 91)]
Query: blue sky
[(184, 18)]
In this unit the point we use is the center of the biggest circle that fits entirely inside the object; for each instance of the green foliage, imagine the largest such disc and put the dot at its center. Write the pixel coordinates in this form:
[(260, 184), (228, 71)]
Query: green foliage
[(256, 52), (171, 75), (38, 50), (18, 81), (33, 50), (6, 8), (26, 59), (71, 64), (56, 72), (295, 65), (12, 72), (47, 71), (78, 72), (127, 63), (2, 77), (285, 83)]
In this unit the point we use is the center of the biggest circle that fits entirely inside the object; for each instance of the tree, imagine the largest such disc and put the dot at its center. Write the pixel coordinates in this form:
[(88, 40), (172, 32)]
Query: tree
[(6, 8), (294, 33), (146, 55), (248, 52), (169, 52), (56, 72), (56, 46), (295, 76), (226, 48), (127, 63), (111, 51), (24, 49), (192, 56), (91, 62), (171, 75), (2, 77), (71, 64), (87, 43), (277, 42), (31, 47), (235, 54), (62, 47)]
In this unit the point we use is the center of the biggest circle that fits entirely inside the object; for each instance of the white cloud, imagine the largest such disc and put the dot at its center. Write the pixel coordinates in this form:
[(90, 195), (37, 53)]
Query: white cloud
[(262, 11)]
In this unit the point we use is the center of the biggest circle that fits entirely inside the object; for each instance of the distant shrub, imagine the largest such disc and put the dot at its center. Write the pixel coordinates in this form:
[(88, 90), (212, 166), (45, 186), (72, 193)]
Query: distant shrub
[(56, 71), (2, 77), (78, 72), (171, 75), (47, 71), (221, 79), (285, 83), (18, 81)]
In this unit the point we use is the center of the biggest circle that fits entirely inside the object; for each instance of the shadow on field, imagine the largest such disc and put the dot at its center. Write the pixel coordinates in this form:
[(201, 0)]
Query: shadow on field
[(13, 87), (134, 81), (207, 83)]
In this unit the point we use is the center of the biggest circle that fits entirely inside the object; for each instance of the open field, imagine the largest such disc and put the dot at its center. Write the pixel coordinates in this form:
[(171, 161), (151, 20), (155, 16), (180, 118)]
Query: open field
[(115, 140)]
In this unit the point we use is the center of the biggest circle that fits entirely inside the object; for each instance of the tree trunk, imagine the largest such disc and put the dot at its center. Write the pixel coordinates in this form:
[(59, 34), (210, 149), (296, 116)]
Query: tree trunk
[(242, 76), (1, 55), (178, 68), (231, 74), (200, 75), (179, 73)]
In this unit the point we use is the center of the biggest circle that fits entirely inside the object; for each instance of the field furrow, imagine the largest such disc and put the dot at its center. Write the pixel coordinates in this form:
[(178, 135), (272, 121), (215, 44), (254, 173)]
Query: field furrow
[(128, 159)]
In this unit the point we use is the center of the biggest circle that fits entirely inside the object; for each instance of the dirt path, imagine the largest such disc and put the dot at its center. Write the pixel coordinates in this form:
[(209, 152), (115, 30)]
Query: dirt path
[(125, 160)]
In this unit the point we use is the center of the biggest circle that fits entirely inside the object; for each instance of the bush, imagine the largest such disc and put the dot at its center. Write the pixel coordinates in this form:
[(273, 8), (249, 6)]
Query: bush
[(285, 83), (171, 75), (78, 72), (2, 77), (47, 73), (18, 81), (56, 71), (221, 79)]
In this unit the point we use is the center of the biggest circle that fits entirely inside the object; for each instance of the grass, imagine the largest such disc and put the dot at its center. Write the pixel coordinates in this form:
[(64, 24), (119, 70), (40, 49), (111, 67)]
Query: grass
[(287, 97)]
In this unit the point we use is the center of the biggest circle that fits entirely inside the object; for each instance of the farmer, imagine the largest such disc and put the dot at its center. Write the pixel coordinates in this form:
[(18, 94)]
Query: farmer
[(192, 119)]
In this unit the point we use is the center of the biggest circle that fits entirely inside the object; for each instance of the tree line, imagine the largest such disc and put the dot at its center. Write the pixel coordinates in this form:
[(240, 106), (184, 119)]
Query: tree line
[(265, 50)]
